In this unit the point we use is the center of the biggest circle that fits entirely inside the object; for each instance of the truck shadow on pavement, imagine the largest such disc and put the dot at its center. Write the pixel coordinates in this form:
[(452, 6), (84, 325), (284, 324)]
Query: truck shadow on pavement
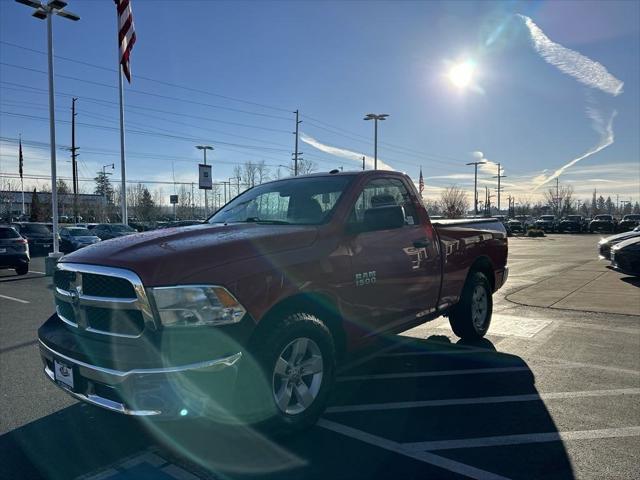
[(464, 403)]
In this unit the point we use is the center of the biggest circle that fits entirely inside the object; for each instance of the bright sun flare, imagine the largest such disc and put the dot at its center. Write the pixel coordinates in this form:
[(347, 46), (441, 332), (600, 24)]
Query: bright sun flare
[(461, 74)]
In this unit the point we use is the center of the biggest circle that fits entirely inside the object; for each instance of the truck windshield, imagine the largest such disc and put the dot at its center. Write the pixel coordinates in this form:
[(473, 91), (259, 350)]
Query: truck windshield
[(301, 201)]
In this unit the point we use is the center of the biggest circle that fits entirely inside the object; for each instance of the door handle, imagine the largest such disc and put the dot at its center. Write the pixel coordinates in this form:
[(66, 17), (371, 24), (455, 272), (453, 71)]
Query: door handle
[(422, 243)]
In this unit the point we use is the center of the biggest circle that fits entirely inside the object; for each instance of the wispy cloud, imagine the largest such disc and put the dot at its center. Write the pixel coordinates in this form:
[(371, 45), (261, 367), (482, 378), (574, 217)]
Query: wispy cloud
[(583, 69), (586, 71), (344, 153), (606, 139)]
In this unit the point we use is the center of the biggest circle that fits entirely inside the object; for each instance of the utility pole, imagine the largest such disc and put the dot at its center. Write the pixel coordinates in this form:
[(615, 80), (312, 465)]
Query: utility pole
[(204, 149), (295, 154), (499, 177), (74, 161), (363, 157), (557, 196), (475, 185), (193, 202)]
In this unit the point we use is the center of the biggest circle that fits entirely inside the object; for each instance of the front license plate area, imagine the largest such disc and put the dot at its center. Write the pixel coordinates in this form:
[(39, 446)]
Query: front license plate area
[(63, 374)]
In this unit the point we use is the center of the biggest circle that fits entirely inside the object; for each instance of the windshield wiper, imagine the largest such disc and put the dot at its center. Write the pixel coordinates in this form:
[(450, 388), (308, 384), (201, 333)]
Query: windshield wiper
[(270, 222)]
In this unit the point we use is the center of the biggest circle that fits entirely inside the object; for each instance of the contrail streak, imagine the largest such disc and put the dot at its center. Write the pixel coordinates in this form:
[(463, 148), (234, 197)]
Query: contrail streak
[(344, 153), (583, 69), (606, 139)]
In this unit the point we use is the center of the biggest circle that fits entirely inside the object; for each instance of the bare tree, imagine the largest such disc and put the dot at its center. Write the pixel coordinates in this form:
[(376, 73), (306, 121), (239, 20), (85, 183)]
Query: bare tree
[(561, 201), (249, 170), (262, 172), (305, 166), (454, 202)]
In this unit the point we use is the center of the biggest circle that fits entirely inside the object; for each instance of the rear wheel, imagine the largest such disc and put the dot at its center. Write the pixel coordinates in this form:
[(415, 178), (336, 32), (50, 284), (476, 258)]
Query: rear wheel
[(22, 269), (471, 317), (295, 360)]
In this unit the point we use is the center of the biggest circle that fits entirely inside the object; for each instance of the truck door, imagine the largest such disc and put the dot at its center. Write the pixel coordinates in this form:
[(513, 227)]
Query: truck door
[(396, 272)]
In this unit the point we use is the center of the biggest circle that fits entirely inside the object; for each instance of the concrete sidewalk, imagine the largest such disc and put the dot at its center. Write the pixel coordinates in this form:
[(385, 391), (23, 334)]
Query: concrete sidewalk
[(591, 287)]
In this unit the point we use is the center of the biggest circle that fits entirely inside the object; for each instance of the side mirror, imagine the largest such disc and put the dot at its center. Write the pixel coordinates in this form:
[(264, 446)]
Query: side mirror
[(384, 218)]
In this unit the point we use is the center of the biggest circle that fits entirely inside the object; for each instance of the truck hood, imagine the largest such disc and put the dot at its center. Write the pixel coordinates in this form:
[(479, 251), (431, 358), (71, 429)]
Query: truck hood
[(168, 256)]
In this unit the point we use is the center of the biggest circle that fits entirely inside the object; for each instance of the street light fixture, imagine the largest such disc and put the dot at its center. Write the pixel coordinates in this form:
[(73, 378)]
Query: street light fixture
[(375, 117), (204, 148), (46, 12), (475, 185)]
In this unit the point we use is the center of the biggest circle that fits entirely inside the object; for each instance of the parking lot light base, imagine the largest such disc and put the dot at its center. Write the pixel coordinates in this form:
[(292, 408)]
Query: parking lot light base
[(50, 262)]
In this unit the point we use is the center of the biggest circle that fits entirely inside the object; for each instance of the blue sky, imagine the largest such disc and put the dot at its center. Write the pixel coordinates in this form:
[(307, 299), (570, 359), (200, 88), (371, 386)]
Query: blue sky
[(334, 61)]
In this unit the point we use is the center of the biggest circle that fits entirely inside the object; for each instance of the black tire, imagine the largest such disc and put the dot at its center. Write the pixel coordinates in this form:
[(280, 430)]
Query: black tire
[(461, 317), (22, 269), (256, 387)]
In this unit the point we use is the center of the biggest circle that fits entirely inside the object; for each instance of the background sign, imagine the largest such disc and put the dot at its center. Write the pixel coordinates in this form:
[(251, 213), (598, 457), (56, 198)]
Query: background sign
[(173, 199), (204, 176)]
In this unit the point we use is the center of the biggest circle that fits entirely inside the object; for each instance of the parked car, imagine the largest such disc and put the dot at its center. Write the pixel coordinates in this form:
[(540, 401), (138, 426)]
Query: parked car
[(39, 236), (571, 223), (88, 226), (629, 222), (14, 250), (605, 245), (602, 223), (252, 310), (516, 227), (73, 238), (546, 223), (107, 231), (180, 223), (625, 257)]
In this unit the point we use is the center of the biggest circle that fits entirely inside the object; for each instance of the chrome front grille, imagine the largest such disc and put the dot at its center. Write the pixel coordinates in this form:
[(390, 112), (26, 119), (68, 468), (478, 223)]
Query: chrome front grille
[(101, 300)]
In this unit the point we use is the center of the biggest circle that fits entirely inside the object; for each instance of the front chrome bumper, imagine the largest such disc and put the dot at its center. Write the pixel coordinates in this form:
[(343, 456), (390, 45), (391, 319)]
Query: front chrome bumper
[(173, 391)]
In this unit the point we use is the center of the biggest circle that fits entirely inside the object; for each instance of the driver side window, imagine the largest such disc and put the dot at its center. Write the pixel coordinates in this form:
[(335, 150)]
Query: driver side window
[(383, 192)]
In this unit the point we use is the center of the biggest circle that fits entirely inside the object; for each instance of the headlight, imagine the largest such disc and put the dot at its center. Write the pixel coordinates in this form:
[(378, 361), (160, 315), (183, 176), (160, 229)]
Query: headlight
[(196, 305)]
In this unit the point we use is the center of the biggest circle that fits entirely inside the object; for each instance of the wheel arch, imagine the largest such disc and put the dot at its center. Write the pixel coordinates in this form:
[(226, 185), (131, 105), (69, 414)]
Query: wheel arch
[(484, 265), (320, 305)]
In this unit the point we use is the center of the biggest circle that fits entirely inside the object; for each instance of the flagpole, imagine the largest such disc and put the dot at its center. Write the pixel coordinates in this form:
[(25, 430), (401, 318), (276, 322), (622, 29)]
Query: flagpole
[(123, 167), (21, 160)]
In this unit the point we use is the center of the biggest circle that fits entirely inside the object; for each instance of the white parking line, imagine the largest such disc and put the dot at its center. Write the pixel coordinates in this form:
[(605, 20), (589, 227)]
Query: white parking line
[(437, 373), (14, 299), (426, 457), (483, 400), (522, 439), (35, 271)]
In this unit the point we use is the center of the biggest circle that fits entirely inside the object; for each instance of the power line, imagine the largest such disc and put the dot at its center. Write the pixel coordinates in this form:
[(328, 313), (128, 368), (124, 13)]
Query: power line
[(161, 82), (107, 103), (151, 94)]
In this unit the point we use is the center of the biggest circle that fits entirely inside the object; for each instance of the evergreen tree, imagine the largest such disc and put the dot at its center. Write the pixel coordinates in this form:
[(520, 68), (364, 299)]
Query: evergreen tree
[(594, 205), (36, 208), (636, 208), (103, 186), (601, 205), (146, 207), (609, 206)]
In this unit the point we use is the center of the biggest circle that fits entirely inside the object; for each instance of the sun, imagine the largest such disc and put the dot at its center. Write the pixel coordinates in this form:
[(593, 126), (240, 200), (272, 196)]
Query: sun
[(461, 74)]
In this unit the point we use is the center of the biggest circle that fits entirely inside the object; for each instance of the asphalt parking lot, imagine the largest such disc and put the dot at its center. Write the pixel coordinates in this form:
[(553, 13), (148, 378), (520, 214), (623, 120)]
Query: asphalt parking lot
[(552, 392)]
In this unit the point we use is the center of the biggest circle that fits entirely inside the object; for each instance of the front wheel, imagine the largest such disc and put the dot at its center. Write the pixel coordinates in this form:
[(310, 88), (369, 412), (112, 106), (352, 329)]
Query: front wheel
[(22, 269), (471, 317), (295, 358)]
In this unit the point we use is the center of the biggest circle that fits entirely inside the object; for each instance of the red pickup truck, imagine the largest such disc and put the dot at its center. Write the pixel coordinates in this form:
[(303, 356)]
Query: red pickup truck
[(250, 312)]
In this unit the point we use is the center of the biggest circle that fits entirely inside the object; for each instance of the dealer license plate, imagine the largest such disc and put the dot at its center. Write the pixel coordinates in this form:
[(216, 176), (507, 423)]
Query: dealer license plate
[(63, 374)]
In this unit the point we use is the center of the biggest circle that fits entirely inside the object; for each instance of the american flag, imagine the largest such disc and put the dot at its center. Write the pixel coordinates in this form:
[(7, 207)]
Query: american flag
[(20, 158), (421, 182), (126, 34)]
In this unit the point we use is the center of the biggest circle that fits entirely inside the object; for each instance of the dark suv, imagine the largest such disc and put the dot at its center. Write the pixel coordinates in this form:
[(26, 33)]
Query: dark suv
[(38, 235), (629, 222), (107, 231), (602, 223), (14, 250)]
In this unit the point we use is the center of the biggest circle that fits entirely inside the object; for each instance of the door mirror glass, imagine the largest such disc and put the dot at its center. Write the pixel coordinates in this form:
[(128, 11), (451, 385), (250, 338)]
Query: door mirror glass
[(384, 218)]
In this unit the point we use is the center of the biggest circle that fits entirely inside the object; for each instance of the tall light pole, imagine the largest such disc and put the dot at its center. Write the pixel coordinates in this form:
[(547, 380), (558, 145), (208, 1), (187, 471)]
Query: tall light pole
[(499, 177), (46, 12), (204, 148), (375, 117), (475, 185)]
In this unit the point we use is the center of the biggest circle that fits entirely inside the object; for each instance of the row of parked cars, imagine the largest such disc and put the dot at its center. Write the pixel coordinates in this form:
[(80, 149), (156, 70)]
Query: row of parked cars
[(19, 240), (623, 251), (573, 224)]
